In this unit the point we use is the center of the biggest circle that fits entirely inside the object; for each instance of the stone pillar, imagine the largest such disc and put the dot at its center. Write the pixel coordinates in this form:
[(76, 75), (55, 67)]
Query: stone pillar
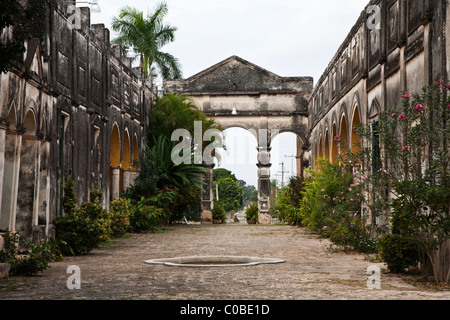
[(3, 128), (207, 197), (264, 166), (133, 176), (126, 178), (115, 183)]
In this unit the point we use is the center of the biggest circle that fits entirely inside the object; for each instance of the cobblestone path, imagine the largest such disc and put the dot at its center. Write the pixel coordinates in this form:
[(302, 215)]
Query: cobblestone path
[(311, 270)]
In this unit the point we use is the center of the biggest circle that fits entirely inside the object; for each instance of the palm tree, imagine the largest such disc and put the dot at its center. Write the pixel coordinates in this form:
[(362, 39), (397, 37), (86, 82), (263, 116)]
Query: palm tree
[(147, 36)]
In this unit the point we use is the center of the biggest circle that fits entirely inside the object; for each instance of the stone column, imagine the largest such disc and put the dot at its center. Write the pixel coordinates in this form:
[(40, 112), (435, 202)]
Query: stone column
[(133, 176), (15, 182), (3, 127), (264, 166), (126, 178), (207, 197), (115, 183)]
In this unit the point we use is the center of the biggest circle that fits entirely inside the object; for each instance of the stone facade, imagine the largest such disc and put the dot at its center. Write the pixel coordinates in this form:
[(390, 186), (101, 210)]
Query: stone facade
[(375, 63), (395, 45), (73, 106)]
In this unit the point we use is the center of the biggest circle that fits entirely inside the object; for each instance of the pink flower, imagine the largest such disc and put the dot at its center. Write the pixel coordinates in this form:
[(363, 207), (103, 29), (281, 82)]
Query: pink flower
[(419, 107), (394, 115), (436, 83), (349, 189), (448, 107), (406, 95), (444, 88), (405, 148), (336, 138), (441, 82)]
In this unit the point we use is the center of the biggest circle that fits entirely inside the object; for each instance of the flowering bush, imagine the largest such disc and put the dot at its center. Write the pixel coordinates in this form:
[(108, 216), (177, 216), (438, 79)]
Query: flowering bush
[(414, 138), (144, 215), (332, 206)]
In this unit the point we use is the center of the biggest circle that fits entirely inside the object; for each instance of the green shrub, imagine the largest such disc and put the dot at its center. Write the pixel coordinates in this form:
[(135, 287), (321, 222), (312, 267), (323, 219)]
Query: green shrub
[(84, 229), (219, 213), (287, 211), (144, 215), (69, 199), (120, 216), (398, 252), (32, 259), (251, 214)]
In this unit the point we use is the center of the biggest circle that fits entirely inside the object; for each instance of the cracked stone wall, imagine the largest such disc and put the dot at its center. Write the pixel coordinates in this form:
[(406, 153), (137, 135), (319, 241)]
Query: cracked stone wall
[(58, 108)]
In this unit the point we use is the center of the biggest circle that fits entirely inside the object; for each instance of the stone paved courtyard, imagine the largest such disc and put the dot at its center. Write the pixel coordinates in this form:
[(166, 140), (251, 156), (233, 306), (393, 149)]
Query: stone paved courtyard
[(311, 271)]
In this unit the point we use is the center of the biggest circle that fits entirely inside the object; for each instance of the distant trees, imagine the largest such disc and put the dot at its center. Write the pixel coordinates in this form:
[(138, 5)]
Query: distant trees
[(233, 193)]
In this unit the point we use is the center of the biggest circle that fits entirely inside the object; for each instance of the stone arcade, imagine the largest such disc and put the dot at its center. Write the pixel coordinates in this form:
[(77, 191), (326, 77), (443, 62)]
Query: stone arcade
[(73, 106)]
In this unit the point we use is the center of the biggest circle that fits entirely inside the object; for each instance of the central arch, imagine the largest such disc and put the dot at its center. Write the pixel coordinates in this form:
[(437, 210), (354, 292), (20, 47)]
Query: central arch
[(237, 93)]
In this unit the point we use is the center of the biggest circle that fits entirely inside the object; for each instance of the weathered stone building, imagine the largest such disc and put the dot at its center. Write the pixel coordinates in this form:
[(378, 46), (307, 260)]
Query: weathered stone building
[(73, 106), (396, 45)]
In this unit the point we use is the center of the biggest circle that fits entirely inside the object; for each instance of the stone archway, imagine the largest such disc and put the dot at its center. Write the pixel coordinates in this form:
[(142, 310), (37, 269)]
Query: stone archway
[(237, 93), (115, 162), (126, 162), (28, 171)]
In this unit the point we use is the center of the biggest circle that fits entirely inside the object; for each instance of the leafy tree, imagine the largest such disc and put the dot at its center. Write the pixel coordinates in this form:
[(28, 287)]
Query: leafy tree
[(222, 173), (19, 16), (147, 35), (230, 194)]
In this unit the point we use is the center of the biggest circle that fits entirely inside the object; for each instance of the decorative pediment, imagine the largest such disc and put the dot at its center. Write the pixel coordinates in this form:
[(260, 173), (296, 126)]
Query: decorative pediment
[(237, 76)]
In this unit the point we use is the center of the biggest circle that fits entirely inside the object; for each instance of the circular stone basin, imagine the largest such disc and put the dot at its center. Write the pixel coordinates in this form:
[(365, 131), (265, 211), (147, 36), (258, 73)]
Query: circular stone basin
[(214, 261)]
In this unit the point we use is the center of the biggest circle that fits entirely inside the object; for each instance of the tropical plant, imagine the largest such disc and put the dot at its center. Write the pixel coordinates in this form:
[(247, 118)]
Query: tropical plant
[(158, 171), (147, 35), (172, 112), (144, 215)]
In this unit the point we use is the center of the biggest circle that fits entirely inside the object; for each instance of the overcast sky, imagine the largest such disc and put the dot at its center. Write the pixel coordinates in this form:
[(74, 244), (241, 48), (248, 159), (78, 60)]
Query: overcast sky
[(286, 37)]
